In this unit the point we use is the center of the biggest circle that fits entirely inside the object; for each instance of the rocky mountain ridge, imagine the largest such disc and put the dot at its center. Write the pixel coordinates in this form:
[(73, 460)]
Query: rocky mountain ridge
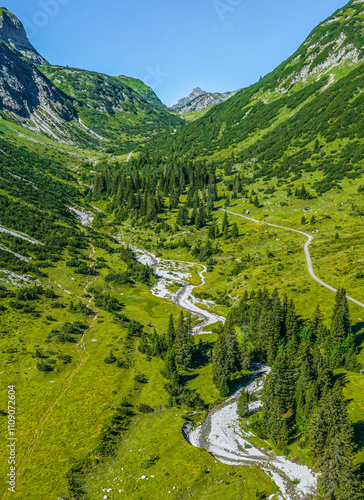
[(70, 105), (199, 99), (13, 33), (297, 117)]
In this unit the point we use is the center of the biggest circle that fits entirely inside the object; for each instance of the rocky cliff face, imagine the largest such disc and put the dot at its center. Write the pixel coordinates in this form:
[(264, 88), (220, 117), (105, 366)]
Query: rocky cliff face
[(28, 97), (70, 105), (197, 92), (199, 100), (13, 33)]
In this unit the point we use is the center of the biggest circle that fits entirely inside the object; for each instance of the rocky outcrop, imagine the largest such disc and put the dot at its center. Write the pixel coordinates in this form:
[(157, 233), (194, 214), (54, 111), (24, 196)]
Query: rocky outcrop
[(13, 33), (70, 105), (199, 100), (23, 89), (197, 92)]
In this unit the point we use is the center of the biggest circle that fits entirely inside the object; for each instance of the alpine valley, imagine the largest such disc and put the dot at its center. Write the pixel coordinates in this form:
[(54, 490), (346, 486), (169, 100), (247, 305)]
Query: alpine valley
[(182, 289)]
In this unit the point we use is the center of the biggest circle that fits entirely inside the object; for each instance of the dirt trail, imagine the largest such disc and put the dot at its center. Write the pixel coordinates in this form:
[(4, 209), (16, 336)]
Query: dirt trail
[(306, 249), (83, 357)]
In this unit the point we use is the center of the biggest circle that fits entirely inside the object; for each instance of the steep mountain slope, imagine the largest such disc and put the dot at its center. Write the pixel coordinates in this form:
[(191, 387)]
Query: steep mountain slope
[(199, 100), (70, 105), (317, 94), (28, 97), (142, 89), (98, 341), (108, 106), (24, 89), (12, 32)]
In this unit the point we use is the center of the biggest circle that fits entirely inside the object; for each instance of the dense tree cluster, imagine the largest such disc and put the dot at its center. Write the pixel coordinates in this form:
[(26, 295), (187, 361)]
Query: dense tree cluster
[(179, 352), (302, 401), (35, 195), (135, 195)]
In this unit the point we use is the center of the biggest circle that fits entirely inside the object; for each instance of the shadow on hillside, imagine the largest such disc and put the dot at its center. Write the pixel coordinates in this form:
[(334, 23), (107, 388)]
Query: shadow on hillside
[(358, 327), (340, 378), (201, 356), (187, 378), (358, 331), (359, 434), (241, 381)]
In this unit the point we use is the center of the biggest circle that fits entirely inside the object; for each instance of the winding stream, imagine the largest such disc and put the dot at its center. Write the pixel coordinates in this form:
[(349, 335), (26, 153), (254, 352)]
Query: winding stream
[(170, 272), (221, 434)]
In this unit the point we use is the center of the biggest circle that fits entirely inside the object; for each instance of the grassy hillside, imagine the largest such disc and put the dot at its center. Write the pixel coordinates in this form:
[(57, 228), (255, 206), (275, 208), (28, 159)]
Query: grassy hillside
[(61, 318), (142, 89), (111, 108), (278, 120), (70, 329), (100, 398)]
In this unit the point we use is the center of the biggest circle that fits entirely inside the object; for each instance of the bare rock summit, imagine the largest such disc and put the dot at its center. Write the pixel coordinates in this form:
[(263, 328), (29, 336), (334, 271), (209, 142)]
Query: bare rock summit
[(13, 33)]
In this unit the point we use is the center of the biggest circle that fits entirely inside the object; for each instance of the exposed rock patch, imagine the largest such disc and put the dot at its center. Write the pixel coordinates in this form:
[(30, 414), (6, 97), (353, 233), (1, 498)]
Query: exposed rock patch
[(199, 100), (12, 32)]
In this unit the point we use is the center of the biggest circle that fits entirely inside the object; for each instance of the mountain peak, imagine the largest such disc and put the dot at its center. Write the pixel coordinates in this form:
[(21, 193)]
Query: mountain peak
[(197, 92), (13, 33), (199, 99)]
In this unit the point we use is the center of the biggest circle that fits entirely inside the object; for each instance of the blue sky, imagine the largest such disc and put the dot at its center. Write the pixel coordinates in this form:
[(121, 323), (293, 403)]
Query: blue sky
[(173, 45)]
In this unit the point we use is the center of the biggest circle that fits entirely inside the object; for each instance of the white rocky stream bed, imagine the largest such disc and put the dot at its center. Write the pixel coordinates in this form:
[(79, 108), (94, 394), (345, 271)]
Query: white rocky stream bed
[(170, 272), (221, 434)]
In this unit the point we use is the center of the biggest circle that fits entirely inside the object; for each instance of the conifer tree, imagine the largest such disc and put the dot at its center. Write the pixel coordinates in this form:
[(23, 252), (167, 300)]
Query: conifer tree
[(171, 333), (225, 223), (245, 354), (193, 216), (284, 436), (225, 233), (212, 231), (217, 232), (182, 217), (170, 365), (291, 323), (331, 439), (273, 330), (184, 342), (144, 347), (235, 231), (341, 340), (243, 404), (224, 387), (338, 480)]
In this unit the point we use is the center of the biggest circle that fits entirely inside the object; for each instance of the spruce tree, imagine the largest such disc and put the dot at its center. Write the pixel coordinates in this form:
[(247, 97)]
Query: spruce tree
[(171, 333), (273, 331), (243, 404), (170, 365), (338, 480), (184, 342), (182, 218), (245, 354), (291, 323), (341, 339), (211, 231), (225, 223), (235, 231), (224, 387)]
